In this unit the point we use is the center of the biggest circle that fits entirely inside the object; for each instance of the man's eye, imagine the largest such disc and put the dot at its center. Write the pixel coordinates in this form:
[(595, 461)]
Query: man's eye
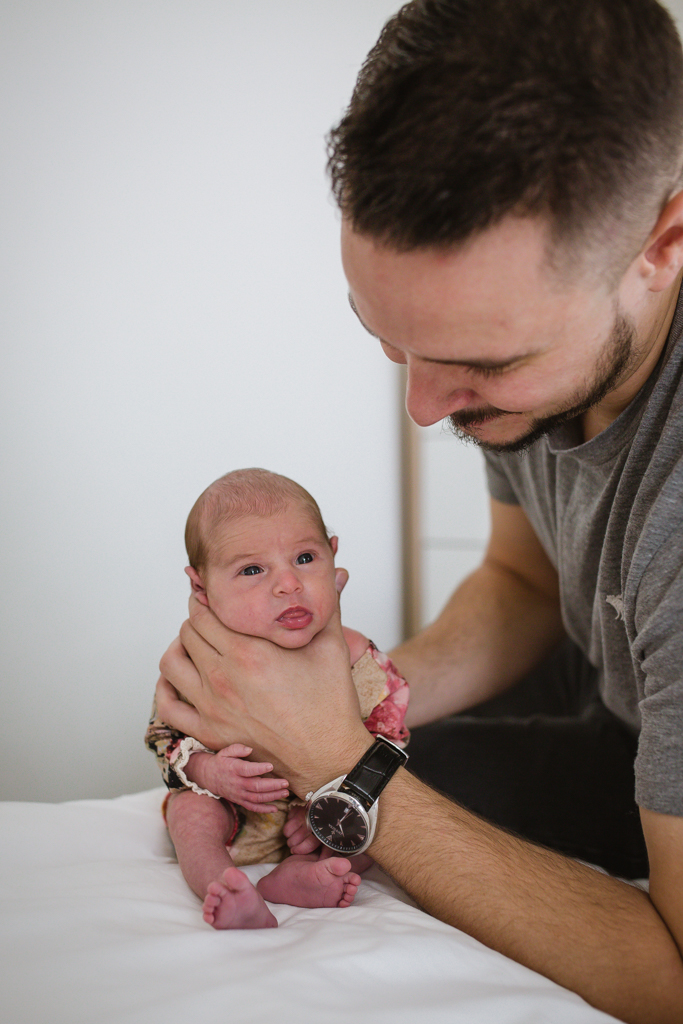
[(306, 557), (251, 570)]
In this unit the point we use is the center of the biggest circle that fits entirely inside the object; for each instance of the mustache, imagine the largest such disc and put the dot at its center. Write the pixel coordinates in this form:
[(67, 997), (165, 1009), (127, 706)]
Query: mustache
[(476, 417)]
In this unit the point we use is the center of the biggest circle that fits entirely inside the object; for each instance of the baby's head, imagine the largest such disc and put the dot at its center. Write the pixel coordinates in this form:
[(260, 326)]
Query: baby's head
[(260, 557)]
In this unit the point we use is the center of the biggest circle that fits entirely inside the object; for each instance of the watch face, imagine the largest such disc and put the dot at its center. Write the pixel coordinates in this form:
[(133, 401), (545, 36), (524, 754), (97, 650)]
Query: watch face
[(338, 823)]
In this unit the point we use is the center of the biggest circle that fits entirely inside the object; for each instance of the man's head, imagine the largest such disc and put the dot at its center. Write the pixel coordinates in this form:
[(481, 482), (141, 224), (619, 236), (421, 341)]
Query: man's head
[(479, 126), (469, 111), (260, 557)]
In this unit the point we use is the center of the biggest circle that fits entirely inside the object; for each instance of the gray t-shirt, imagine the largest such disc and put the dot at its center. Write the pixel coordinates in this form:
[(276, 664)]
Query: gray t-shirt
[(609, 514)]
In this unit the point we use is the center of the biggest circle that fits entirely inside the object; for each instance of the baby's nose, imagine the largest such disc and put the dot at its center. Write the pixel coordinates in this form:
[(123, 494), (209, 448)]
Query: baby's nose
[(288, 582)]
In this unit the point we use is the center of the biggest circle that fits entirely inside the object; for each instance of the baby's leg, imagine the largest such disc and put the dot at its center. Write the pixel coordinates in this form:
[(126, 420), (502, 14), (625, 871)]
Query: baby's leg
[(311, 881), (200, 827)]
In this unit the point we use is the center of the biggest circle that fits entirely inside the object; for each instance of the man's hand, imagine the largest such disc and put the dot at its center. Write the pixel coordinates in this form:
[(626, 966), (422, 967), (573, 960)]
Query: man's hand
[(297, 709)]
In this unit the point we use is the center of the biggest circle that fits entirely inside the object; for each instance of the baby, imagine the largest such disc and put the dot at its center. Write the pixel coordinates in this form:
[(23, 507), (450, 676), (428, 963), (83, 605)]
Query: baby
[(261, 559)]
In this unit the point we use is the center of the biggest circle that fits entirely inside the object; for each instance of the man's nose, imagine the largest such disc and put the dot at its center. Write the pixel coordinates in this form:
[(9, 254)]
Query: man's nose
[(287, 582), (434, 392)]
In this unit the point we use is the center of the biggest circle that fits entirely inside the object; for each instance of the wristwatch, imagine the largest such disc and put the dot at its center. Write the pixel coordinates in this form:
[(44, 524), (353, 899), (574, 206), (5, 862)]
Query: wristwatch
[(343, 813)]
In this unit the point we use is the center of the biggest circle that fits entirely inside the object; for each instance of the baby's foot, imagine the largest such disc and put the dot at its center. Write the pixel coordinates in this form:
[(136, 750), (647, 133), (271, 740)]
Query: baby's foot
[(234, 903), (311, 882)]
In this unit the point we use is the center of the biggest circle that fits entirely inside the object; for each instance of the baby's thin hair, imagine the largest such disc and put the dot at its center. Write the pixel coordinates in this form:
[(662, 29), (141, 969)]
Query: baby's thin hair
[(243, 492)]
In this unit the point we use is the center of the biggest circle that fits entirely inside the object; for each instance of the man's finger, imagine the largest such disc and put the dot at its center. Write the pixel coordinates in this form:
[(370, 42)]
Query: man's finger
[(177, 667), (341, 578), (210, 628), (173, 711), (197, 649), (175, 660)]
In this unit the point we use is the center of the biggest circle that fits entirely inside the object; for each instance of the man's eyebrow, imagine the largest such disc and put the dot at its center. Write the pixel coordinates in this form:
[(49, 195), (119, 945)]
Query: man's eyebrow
[(352, 304), (474, 364), (480, 364)]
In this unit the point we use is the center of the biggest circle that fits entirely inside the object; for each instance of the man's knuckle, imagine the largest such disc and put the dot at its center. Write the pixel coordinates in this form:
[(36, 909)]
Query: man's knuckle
[(216, 679)]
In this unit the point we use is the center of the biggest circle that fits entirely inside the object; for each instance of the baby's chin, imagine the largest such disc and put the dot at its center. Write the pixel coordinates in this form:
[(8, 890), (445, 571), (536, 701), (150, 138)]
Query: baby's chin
[(292, 639), (289, 639)]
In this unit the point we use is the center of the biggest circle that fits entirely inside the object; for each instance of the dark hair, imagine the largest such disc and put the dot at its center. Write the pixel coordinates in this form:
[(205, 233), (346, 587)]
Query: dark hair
[(466, 111)]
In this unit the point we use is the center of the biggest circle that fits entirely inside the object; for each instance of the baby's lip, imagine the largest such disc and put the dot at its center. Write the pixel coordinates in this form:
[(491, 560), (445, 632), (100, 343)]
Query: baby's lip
[(296, 617)]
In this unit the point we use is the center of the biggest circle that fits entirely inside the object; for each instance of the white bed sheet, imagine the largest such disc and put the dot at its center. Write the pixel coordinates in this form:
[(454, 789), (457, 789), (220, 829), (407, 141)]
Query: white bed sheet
[(98, 925)]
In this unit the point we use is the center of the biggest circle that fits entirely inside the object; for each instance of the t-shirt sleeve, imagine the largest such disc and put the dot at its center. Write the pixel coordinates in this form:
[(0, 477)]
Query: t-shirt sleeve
[(497, 479), (658, 649)]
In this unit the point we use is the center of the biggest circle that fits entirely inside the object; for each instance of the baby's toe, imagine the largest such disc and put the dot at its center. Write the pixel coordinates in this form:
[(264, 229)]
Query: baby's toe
[(216, 891), (349, 893)]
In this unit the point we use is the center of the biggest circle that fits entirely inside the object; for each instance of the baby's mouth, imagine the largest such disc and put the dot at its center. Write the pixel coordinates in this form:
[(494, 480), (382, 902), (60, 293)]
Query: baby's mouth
[(296, 618)]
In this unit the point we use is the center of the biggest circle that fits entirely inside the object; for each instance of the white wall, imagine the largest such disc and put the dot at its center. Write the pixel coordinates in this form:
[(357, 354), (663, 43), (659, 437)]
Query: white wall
[(454, 515), (172, 307)]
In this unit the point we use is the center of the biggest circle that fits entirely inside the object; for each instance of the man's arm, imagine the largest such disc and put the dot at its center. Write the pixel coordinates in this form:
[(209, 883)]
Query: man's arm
[(591, 933), (664, 838), (498, 624)]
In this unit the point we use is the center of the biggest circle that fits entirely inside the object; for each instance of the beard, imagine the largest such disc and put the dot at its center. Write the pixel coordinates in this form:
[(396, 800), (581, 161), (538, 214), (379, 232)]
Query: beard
[(614, 361)]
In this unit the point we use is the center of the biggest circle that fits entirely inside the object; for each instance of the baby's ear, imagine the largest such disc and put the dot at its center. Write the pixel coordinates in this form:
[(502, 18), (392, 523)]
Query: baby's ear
[(198, 588), (334, 544)]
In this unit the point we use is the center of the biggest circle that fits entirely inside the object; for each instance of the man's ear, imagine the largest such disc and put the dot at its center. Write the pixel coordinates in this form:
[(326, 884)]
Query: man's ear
[(334, 544), (662, 257), (198, 588)]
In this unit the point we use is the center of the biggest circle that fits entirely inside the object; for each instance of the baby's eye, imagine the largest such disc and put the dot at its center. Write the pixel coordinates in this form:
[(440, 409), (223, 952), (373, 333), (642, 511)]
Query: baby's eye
[(251, 570), (306, 557)]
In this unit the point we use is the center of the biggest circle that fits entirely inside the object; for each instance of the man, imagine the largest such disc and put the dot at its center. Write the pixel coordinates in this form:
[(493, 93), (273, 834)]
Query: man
[(509, 176)]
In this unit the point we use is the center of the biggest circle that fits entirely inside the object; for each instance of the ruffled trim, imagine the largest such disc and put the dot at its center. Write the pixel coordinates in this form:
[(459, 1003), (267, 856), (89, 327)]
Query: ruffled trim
[(184, 751)]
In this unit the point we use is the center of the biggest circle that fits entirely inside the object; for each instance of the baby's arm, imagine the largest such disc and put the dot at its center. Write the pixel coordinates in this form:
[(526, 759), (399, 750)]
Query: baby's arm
[(185, 764), (356, 643), (227, 774)]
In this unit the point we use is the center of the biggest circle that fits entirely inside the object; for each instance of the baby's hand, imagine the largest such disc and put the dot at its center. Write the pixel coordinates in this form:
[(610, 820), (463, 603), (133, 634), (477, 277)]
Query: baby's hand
[(236, 779), (299, 837)]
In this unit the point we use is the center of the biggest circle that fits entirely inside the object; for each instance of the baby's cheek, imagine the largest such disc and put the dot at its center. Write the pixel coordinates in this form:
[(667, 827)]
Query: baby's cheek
[(239, 616)]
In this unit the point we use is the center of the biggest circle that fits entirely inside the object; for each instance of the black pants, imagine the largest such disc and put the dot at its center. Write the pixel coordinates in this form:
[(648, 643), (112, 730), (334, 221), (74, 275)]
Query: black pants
[(546, 761)]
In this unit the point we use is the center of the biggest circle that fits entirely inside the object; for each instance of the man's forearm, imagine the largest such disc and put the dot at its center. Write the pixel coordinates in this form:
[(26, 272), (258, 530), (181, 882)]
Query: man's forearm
[(494, 629), (591, 933)]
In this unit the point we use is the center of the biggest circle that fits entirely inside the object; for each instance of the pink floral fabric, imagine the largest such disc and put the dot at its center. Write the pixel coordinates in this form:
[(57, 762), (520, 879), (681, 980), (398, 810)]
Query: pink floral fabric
[(388, 717)]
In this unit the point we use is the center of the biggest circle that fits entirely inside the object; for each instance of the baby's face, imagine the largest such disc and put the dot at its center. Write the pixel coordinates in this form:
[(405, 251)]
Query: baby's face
[(273, 577)]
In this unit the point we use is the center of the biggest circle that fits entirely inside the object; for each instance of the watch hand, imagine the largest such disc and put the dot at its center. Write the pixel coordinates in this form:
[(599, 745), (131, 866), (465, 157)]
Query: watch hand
[(344, 815)]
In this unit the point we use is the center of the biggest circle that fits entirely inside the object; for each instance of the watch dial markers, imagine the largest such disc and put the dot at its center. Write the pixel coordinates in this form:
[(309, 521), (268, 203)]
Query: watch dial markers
[(338, 824)]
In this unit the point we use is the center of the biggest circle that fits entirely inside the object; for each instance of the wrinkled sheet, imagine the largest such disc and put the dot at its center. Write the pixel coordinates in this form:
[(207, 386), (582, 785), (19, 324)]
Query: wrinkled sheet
[(98, 925)]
